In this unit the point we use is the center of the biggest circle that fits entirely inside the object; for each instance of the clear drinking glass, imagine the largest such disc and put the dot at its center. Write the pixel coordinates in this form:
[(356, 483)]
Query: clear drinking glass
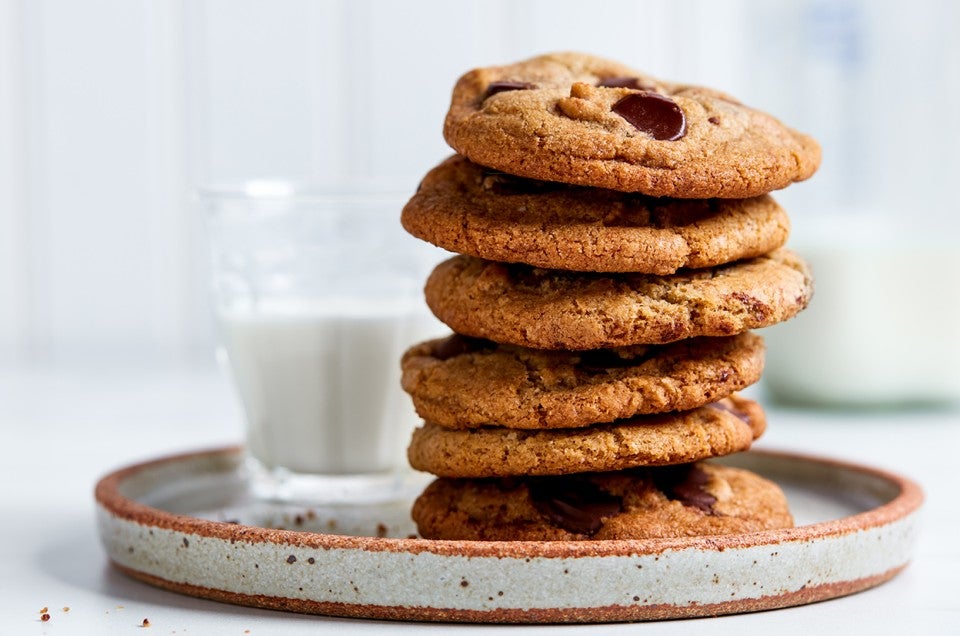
[(317, 295)]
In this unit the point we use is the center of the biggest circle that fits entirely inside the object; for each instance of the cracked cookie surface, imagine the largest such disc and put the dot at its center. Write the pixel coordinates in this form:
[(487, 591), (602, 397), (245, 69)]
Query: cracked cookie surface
[(466, 208), (460, 382), (581, 119), (683, 501), (552, 309), (727, 426)]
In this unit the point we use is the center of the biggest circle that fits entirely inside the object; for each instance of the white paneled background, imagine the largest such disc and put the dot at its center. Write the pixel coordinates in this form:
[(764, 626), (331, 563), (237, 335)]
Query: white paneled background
[(113, 111)]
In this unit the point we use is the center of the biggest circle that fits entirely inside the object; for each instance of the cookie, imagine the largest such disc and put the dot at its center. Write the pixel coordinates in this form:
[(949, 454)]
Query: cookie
[(583, 120), (462, 382), (723, 427), (469, 209), (677, 501), (551, 309)]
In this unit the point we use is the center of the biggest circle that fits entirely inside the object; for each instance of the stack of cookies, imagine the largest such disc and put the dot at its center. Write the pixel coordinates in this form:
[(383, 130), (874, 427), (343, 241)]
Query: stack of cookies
[(616, 244)]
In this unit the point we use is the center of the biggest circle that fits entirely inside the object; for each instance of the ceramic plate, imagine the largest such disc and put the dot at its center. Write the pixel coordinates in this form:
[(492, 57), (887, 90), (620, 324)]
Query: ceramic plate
[(186, 524)]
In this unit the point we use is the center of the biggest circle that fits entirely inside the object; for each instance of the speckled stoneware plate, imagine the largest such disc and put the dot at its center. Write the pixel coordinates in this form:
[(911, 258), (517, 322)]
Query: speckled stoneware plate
[(185, 523)]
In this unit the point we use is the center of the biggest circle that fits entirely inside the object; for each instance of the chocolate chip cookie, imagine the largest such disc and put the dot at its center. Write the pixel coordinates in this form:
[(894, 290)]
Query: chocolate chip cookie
[(550, 309), (580, 119), (469, 209), (462, 382), (676, 501), (723, 427)]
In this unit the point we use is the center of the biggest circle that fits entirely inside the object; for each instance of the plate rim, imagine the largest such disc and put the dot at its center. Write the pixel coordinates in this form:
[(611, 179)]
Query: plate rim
[(909, 499)]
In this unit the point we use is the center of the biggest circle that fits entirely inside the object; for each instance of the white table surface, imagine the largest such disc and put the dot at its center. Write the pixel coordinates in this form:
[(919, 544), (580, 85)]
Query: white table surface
[(64, 427)]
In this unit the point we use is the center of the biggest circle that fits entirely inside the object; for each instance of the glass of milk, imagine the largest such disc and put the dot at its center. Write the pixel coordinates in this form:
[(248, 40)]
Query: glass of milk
[(317, 295), (883, 328)]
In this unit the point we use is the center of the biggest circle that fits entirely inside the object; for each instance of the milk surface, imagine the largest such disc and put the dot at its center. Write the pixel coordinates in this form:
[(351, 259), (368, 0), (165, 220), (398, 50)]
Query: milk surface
[(321, 387)]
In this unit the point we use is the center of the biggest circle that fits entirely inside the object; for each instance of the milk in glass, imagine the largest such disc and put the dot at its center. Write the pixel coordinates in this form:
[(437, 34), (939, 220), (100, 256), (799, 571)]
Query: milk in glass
[(321, 386)]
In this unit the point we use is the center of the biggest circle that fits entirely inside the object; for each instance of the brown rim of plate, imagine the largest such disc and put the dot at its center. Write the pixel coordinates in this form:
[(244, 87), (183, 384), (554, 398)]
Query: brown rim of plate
[(107, 494), (907, 500), (549, 615)]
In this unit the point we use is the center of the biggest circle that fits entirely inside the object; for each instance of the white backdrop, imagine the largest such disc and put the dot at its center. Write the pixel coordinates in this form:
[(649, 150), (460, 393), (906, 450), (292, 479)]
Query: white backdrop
[(113, 111)]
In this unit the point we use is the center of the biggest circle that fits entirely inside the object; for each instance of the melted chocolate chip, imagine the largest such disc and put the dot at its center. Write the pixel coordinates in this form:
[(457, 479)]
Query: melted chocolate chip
[(599, 360), (499, 87), (743, 416), (624, 82), (506, 184), (684, 483), (714, 120), (654, 114), (457, 345), (573, 502)]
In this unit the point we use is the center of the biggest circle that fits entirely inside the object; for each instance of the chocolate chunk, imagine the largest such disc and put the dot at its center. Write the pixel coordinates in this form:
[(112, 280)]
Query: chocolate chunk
[(743, 416), (457, 345), (624, 82), (573, 502), (684, 483), (498, 87), (506, 184), (598, 360), (714, 120), (654, 114)]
